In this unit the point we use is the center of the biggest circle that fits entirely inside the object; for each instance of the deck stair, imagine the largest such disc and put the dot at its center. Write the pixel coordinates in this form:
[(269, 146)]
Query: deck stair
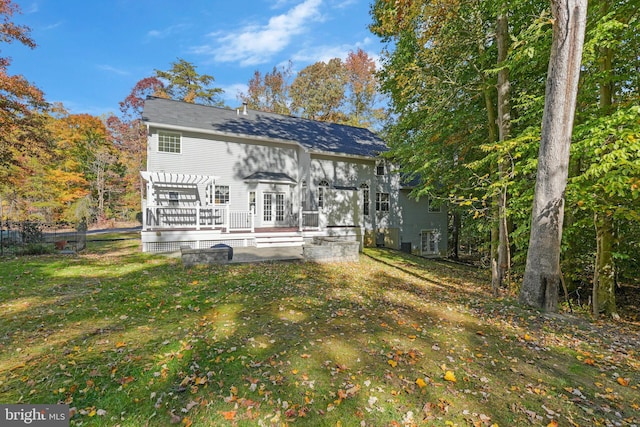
[(279, 240)]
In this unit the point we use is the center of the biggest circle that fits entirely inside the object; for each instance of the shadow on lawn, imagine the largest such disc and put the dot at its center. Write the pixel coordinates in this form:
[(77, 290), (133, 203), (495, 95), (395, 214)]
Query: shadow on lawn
[(150, 343)]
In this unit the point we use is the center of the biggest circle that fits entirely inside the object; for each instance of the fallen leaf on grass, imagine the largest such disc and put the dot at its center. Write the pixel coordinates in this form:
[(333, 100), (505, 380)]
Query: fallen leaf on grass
[(392, 362), (126, 380), (421, 383), (229, 415), (623, 381), (450, 376)]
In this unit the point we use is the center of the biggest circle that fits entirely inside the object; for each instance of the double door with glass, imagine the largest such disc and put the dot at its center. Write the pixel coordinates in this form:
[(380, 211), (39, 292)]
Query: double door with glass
[(273, 208)]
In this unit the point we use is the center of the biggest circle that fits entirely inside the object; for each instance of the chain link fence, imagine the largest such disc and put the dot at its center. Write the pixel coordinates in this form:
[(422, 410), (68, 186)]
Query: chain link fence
[(37, 238)]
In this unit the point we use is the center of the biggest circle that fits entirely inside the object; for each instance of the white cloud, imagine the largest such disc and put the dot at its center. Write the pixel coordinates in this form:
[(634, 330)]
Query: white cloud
[(52, 26), (166, 32), (113, 70), (33, 8), (256, 44), (326, 52)]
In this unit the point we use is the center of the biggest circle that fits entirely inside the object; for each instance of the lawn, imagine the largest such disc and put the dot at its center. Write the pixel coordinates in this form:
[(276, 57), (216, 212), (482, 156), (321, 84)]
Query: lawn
[(133, 339)]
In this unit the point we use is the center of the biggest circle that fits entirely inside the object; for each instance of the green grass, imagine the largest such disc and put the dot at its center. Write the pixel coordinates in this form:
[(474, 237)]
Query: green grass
[(132, 339)]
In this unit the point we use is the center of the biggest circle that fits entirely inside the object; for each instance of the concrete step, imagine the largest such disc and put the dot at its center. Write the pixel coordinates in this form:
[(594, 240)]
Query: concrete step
[(279, 241)]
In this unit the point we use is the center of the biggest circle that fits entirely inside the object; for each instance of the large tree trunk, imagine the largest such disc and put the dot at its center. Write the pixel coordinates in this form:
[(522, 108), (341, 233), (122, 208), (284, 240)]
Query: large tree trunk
[(542, 276), (455, 235), (503, 263), (494, 236), (604, 284)]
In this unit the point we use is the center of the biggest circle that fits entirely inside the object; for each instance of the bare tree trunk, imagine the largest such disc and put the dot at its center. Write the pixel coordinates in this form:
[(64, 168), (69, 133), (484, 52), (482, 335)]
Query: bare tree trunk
[(542, 277), (503, 263), (604, 284), (494, 236), (455, 235)]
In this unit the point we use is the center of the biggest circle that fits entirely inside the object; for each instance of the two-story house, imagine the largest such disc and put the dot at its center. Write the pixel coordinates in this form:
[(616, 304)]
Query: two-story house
[(248, 178)]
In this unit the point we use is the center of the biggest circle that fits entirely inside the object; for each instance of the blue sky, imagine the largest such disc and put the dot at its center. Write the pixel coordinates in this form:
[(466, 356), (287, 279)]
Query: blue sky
[(91, 53)]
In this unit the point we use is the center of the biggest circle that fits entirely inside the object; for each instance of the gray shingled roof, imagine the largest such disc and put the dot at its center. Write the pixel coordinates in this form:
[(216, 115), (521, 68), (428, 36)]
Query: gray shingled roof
[(313, 135)]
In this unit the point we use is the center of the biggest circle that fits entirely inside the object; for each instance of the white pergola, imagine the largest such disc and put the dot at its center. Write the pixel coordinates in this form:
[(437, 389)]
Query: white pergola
[(169, 178)]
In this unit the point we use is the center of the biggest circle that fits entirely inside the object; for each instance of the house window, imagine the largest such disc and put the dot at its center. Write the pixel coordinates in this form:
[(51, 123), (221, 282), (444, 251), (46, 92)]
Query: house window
[(252, 201), (169, 142), (322, 188), (174, 198), (382, 202), (365, 198), (222, 194), (432, 207), (380, 168)]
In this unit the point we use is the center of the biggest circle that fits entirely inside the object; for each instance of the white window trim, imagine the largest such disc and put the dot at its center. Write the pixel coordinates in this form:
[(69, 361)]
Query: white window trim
[(323, 185), (172, 134), (380, 202), (366, 199), (217, 192)]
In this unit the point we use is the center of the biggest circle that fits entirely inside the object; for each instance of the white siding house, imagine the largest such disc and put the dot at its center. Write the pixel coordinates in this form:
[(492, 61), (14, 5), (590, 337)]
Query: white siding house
[(247, 178)]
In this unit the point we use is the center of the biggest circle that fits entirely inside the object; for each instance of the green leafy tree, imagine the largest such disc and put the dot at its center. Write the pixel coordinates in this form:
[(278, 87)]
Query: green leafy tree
[(605, 154), (318, 91), (182, 82)]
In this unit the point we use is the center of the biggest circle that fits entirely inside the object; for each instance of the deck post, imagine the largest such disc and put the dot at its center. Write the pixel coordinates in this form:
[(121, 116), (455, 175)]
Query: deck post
[(228, 217), (144, 214), (251, 219), (197, 217), (300, 219)]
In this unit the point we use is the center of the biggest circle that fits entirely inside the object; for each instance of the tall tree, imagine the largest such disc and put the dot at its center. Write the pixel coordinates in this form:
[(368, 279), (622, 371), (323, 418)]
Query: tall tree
[(131, 107), (444, 100), (542, 278), (318, 91), (606, 149), (129, 138), (79, 140), (501, 261), (362, 89), (185, 84), (271, 92), (21, 104)]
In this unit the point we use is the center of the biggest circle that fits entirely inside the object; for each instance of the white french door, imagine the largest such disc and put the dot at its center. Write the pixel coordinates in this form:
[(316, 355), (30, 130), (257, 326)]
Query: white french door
[(429, 242), (273, 208)]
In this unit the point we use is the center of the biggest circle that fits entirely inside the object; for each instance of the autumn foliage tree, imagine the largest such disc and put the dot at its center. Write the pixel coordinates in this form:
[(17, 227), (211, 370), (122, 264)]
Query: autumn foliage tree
[(336, 91), (362, 90), (270, 92), (21, 103), (318, 91)]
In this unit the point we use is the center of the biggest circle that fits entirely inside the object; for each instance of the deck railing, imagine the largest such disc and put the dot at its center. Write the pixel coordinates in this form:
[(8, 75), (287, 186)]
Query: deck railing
[(310, 220), (198, 217)]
